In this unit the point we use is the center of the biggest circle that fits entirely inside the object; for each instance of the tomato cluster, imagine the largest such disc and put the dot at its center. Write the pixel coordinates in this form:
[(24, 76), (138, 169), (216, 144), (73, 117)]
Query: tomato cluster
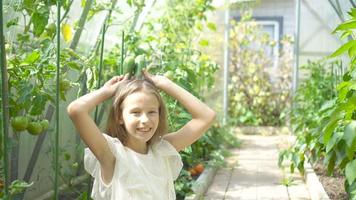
[(22, 123)]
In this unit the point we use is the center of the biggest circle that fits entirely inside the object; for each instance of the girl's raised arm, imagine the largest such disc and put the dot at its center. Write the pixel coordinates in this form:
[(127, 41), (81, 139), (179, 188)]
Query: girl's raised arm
[(202, 115), (79, 110)]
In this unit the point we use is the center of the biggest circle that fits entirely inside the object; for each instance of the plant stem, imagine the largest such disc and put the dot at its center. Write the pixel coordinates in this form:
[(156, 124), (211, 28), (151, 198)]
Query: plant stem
[(81, 24)]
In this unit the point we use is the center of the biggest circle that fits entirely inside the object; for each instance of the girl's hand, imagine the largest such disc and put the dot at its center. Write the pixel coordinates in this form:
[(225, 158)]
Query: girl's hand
[(111, 85), (158, 80)]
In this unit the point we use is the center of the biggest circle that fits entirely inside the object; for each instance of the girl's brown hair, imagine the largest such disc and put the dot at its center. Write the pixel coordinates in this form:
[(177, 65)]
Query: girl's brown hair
[(113, 126)]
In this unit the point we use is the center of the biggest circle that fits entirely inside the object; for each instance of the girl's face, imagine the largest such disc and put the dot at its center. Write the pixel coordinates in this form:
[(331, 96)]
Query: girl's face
[(140, 115)]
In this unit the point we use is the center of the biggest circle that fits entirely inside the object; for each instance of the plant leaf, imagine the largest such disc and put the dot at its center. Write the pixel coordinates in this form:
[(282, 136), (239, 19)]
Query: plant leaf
[(350, 171), (204, 42), (351, 24), (39, 21), (211, 26), (31, 58), (352, 13), (350, 138), (334, 140), (343, 48)]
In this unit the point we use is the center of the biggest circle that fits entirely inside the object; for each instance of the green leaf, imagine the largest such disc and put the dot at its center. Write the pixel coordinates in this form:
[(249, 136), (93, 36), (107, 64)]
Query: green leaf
[(204, 42), (327, 105), (328, 130), (352, 13), (291, 168), (74, 65), (343, 48), (346, 76), (350, 152), (39, 21), (345, 34), (31, 58), (199, 26), (38, 105), (351, 190), (211, 26), (341, 152), (184, 115), (12, 22), (334, 140), (350, 138), (350, 171), (28, 5), (329, 160), (295, 159), (129, 2), (343, 89), (353, 85), (352, 52), (351, 24)]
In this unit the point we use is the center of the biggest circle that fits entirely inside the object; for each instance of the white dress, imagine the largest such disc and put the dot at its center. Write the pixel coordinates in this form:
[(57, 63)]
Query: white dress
[(136, 176)]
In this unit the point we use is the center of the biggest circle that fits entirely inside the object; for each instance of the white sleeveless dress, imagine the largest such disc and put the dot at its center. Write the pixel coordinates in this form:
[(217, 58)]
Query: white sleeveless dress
[(136, 176)]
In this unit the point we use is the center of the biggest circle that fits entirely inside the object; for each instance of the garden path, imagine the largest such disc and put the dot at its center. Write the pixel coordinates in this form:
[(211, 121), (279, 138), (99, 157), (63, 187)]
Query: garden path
[(253, 173)]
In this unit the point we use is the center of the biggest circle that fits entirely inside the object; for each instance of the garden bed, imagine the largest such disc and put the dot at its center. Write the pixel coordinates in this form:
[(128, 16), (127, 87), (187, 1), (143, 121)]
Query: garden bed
[(202, 183), (333, 185)]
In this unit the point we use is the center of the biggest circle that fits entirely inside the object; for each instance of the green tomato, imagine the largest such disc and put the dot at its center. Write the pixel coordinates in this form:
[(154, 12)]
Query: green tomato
[(51, 29), (20, 123), (34, 128), (129, 65), (44, 124), (75, 165), (64, 85), (140, 63)]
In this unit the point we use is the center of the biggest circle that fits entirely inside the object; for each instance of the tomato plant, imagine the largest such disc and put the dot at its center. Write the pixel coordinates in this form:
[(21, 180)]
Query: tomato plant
[(324, 118)]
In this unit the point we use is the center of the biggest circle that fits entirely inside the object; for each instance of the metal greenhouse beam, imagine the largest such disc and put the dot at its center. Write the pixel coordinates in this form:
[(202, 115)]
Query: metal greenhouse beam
[(5, 105), (96, 119), (337, 9), (226, 61), (56, 155), (296, 48)]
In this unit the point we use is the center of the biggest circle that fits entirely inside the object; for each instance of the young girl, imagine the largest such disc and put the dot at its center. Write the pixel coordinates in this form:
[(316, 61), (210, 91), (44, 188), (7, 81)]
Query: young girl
[(136, 158)]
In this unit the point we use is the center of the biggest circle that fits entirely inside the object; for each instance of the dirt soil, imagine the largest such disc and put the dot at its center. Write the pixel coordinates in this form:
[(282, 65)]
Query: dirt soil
[(333, 185)]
